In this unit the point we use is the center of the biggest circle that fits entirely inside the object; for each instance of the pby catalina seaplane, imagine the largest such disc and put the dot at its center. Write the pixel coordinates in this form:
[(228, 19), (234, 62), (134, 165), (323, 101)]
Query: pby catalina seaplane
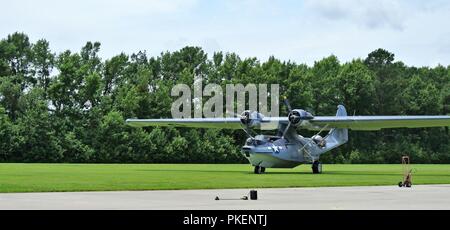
[(288, 149)]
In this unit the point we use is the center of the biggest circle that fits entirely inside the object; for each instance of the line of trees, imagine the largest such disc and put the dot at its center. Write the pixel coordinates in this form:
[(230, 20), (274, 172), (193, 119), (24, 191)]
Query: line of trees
[(71, 106)]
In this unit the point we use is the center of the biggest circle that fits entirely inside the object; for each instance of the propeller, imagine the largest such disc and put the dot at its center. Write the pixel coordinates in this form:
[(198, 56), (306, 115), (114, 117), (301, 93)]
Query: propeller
[(245, 119), (289, 108), (294, 116)]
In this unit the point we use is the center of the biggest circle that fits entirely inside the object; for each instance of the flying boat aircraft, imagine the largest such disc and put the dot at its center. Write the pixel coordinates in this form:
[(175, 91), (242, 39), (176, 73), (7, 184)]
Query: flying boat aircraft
[(288, 149)]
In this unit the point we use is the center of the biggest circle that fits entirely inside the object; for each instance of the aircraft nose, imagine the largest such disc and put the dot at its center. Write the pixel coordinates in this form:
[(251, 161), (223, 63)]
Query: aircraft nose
[(246, 150)]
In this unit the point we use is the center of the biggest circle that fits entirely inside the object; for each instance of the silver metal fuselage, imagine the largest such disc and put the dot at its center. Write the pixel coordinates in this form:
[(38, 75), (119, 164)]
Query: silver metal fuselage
[(273, 152), (291, 150)]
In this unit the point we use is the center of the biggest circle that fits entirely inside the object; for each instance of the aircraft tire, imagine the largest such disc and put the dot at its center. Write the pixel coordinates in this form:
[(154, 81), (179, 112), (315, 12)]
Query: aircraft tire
[(258, 170), (317, 167), (263, 170)]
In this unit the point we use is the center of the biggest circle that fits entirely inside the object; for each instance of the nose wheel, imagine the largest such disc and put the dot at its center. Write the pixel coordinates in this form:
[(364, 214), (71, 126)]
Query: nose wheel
[(259, 170), (316, 167)]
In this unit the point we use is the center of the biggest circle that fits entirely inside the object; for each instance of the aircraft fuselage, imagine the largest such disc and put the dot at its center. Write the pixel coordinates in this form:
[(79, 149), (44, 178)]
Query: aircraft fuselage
[(273, 152)]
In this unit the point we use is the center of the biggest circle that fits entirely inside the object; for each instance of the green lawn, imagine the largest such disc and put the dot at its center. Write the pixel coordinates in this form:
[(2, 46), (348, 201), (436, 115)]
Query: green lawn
[(95, 177)]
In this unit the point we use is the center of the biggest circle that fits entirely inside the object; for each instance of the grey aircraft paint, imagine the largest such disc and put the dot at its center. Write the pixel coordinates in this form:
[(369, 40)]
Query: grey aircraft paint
[(288, 149)]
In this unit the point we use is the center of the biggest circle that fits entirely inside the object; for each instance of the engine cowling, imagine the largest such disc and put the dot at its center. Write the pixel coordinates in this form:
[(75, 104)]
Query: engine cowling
[(251, 118), (297, 115)]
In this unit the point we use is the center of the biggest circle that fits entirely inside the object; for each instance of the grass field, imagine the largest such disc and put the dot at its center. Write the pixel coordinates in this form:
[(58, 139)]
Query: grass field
[(104, 177)]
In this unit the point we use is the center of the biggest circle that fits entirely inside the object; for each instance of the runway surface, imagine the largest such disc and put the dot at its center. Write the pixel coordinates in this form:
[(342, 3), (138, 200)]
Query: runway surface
[(367, 197)]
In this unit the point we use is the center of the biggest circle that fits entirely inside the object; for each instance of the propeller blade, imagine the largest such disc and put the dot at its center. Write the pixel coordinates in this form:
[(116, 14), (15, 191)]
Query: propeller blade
[(286, 129), (288, 106)]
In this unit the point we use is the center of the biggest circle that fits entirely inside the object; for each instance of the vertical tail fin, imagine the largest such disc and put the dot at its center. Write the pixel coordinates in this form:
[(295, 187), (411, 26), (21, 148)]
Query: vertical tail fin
[(341, 135), (341, 112), (337, 137)]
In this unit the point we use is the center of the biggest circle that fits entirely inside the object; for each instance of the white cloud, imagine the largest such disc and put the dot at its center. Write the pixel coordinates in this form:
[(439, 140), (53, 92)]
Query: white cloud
[(416, 31), (373, 14)]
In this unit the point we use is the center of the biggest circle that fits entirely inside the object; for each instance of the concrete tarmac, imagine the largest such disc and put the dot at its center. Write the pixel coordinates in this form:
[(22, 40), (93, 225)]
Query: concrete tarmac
[(325, 198)]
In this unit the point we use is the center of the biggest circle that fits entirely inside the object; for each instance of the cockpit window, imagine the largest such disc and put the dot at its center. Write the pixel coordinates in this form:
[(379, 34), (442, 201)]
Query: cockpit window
[(259, 142), (254, 142)]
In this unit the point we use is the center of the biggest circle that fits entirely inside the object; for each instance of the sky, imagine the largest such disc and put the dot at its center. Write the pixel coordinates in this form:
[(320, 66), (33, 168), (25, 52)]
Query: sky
[(303, 31)]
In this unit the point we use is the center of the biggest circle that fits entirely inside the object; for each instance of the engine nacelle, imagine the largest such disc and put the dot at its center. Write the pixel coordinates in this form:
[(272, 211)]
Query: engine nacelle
[(251, 118), (297, 115)]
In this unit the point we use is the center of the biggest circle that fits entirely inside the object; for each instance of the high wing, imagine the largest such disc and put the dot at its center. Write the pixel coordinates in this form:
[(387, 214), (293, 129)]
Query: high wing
[(317, 123), (341, 120), (377, 122), (220, 123)]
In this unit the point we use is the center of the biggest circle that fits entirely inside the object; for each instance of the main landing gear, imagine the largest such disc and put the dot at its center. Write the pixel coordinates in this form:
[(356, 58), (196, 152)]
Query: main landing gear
[(259, 169), (316, 167)]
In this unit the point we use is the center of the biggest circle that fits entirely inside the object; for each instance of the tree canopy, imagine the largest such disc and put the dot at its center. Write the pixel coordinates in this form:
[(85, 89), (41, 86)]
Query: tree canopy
[(71, 106)]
